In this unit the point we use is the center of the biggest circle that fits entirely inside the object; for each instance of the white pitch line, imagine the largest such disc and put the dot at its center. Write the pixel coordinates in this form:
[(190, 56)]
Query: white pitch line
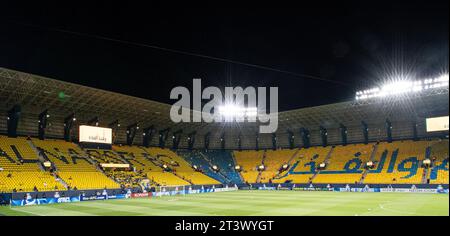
[(20, 210), (393, 210)]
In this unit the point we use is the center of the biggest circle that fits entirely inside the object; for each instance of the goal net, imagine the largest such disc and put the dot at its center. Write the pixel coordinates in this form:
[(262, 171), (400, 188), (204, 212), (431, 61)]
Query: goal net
[(172, 190)]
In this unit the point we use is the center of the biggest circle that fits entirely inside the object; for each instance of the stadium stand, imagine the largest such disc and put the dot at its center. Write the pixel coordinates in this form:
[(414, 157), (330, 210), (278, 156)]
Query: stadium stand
[(137, 157), (346, 164), (88, 180), (398, 162), (66, 156), (73, 166), (439, 154), (304, 165), (141, 163), (203, 164), (21, 169), (226, 163), (181, 169), (273, 161), (249, 161), (105, 156)]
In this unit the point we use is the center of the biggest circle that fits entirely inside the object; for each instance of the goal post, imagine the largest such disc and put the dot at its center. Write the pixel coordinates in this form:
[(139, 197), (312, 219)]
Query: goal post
[(172, 190)]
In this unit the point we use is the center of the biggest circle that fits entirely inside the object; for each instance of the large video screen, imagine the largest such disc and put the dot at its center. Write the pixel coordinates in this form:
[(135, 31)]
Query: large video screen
[(93, 134), (437, 124)]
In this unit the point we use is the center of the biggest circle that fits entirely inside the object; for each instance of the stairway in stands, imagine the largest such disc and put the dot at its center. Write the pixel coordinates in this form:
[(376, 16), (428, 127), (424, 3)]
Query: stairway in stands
[(236, 173), (426, 171), (372, 158), (258, 179), (289, 163), (327, 160), (224, 178)]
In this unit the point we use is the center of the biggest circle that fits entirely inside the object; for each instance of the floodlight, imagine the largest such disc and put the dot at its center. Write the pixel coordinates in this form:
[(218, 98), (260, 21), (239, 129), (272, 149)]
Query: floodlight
[(231, 111), (403, 86)]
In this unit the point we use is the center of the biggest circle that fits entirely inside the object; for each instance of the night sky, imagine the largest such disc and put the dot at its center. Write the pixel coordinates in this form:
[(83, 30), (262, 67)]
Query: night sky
[(348, 45)]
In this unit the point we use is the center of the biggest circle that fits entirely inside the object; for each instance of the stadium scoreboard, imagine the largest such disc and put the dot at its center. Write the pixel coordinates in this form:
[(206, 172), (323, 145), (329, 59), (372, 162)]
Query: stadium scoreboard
[(437, 124), (94, 134)]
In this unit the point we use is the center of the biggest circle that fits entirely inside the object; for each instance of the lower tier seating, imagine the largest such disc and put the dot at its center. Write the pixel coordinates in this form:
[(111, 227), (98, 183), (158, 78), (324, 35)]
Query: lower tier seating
[(21, 181), (249, 162), (166, 179), (88, 180), (399, 162)]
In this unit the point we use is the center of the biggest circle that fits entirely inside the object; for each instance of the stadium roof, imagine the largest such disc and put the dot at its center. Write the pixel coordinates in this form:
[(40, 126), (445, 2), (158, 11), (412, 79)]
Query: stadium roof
[(36, 94)]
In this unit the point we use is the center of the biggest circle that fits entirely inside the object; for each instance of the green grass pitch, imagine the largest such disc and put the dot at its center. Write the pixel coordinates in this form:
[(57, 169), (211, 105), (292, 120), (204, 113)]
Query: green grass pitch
[(252, 203)]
